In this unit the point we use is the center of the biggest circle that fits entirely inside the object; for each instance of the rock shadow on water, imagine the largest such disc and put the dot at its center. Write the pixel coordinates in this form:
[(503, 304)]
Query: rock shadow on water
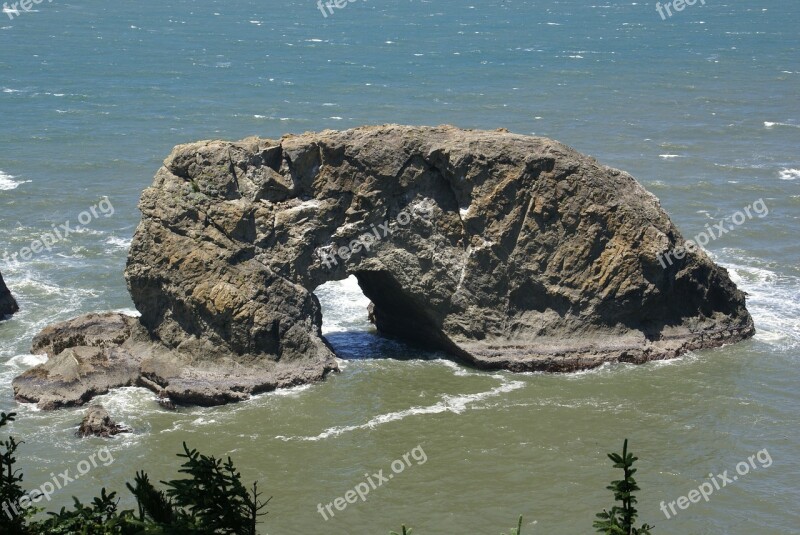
[(365, 345)]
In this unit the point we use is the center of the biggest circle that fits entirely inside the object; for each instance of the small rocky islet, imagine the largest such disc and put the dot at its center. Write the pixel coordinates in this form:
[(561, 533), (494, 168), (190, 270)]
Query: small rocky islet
[(505, 251)]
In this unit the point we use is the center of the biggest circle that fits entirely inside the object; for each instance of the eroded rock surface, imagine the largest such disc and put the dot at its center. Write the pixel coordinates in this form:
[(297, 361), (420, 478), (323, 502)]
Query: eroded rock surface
[(87, 356), (98, 423), (507, 251), (8, 305)]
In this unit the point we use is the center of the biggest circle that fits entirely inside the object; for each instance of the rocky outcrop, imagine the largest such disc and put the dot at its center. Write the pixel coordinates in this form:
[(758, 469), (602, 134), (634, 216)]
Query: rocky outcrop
[(8, 305), (98, 423), (87, 356), (506, 251)]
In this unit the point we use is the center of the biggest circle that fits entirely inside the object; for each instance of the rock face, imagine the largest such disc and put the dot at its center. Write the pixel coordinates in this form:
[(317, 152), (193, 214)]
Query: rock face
[(506, 251), (97, 422), (8, 304)]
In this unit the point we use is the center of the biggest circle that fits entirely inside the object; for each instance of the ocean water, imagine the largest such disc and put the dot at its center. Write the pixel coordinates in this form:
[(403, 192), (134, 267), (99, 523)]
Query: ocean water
[(703, 108)]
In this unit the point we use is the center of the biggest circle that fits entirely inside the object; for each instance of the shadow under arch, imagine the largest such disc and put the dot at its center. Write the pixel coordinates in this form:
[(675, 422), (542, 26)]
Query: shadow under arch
[(347, 327)]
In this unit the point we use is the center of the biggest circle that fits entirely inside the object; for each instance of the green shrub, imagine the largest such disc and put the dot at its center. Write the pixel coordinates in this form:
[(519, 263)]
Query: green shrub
[(211, 501), (620, 520)]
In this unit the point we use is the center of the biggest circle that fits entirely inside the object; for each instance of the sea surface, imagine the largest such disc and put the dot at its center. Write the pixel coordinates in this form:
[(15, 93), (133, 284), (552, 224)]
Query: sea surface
[(703, 108)]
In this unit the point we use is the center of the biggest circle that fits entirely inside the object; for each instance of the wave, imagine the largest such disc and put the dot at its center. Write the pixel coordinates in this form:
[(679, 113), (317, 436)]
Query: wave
[(7, 182), (768, 124), (455, 404), (789, 174), (120, 243), (772, 300), (344, 306)]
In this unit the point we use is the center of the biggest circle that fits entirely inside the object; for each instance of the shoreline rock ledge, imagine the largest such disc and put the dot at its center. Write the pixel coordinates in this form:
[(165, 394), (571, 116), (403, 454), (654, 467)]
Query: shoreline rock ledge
[(506, 251), (8, 305)]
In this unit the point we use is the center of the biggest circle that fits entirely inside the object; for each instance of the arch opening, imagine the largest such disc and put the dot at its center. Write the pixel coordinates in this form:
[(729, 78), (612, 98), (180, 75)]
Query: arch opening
[(349, 326)]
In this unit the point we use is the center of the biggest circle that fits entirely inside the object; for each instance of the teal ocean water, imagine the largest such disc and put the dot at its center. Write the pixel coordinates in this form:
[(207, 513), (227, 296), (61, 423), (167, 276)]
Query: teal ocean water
[(703, 108)]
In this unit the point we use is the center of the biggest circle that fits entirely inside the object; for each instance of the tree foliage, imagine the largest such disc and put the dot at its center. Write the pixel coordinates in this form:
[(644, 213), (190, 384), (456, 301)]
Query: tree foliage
[(620, 520), (210, 500)]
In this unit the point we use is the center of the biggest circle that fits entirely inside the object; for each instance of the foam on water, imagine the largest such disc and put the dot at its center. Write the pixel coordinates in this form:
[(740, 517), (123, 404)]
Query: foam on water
[(7, 182), (768, 124), (18, 364), (119, 243), (344, 306), (789, 174), (128, 312), (455, 404), (773, 300), (31, 288)]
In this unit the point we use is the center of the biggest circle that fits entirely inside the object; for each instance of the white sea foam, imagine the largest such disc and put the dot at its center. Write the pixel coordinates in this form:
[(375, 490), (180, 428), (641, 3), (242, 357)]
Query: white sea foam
[(131, 403), (283, 392), (768, 124), (789, 174), (7, 182), (23, 362), (456, 368), (344, 306), (772, 301), (669, 156), (121, 243), (455, 404), (128, 312)]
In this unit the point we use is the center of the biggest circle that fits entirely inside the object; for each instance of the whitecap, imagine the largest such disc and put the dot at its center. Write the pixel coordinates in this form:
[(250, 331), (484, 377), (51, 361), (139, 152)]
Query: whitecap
[(455, 404), (789, 174), (768, 124), (128, 312), (669, 156), (281, 392), (121, 243), (344, 306), (7, 182), (23, 362), (772, 299)]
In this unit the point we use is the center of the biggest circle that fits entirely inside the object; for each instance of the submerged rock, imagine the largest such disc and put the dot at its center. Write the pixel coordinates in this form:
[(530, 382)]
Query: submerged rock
[(97, 422), (8, 305), (506, 251)]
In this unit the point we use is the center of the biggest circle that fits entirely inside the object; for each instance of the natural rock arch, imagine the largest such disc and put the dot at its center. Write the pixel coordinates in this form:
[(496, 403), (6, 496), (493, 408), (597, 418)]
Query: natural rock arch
[(507, 251)]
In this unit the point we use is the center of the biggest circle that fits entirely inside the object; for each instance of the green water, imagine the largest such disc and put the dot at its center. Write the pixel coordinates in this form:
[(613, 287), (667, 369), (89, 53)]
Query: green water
[(497, 445), (702, 109)]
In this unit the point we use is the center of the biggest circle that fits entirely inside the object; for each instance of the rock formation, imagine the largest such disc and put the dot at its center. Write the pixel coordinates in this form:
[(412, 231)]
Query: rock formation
[(8, 305), (506, 251), (98, 423)]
